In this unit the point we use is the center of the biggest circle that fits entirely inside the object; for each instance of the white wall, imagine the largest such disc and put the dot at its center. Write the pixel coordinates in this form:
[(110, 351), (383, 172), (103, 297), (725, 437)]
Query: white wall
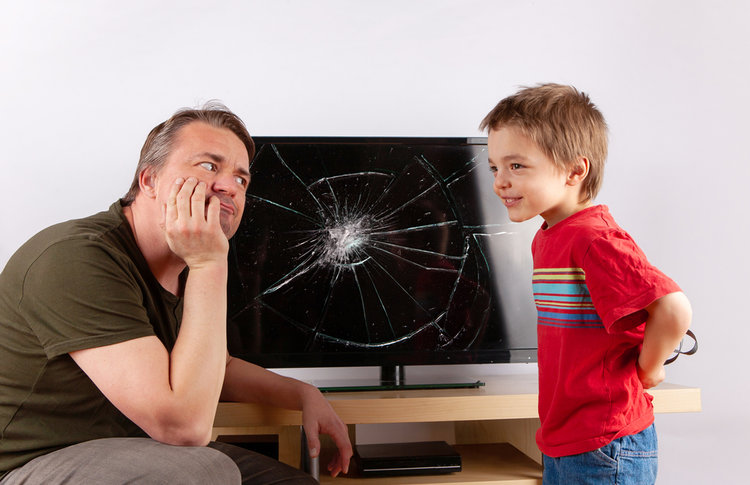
[(84, 81)]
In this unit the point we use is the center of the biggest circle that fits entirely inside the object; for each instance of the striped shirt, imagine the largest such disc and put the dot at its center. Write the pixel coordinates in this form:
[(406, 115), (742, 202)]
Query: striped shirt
[(591, 286)]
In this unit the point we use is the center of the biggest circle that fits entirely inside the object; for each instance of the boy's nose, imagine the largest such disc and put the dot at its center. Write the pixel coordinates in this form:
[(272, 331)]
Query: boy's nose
[(501, 179)]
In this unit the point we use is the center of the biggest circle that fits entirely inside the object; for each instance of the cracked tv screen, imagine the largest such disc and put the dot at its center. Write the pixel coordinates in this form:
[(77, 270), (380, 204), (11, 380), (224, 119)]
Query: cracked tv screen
[(374, 251)]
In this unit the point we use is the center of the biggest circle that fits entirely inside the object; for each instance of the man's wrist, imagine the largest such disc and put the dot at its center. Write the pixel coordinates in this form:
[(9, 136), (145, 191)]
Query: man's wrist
[(208, 264)]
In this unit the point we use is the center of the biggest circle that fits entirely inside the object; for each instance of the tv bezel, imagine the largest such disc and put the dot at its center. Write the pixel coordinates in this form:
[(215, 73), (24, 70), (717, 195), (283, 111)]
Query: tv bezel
[(382, 359)]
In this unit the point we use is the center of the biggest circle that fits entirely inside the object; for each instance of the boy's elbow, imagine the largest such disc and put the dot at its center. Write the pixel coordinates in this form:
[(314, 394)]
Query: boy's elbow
[(677, 310), (685, 312)]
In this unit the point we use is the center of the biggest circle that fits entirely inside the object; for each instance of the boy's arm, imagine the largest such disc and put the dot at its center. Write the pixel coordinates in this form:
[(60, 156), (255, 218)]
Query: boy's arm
[(668, 320)]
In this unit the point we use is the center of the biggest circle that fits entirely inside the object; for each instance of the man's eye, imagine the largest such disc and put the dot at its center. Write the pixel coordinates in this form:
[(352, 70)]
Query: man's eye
[(208, 166), (241, 180)]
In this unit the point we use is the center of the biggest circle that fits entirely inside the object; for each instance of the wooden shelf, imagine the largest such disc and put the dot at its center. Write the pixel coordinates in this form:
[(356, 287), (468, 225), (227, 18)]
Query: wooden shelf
[(498, 463), (494, 425)]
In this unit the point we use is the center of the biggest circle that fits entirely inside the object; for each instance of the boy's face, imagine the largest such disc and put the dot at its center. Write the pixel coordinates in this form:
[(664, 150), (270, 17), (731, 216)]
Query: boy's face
[(527, 181)]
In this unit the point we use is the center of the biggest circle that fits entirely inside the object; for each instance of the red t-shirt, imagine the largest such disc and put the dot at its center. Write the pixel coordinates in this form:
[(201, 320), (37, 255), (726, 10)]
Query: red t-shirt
[(591, 285)]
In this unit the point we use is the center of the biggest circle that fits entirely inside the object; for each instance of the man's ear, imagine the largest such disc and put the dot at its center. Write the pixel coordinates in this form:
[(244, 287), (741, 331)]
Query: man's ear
[(147, 182), (578, 171)]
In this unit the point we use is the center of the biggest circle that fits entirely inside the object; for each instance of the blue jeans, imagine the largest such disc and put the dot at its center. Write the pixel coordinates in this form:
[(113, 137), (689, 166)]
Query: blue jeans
[(630, 460)]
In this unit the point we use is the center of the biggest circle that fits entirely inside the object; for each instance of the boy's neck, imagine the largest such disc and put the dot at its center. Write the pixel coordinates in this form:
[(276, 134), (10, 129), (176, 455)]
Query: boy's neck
[(559, 214)]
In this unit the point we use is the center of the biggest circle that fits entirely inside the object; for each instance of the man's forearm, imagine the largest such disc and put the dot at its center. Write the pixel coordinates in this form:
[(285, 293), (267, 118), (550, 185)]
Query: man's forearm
[(246, 382), (197, 362)]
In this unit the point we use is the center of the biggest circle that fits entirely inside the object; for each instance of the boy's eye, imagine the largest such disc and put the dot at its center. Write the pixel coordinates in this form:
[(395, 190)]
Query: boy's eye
[(208, 166), (515, 166), (493, 168)]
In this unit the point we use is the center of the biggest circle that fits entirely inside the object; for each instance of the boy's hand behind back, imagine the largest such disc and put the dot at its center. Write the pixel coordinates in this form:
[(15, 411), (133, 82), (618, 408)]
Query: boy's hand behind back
[(653, 378), (668, 320)]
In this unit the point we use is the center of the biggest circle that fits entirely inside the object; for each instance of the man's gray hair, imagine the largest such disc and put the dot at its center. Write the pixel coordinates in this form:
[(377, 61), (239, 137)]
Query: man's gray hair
[(160, 140)]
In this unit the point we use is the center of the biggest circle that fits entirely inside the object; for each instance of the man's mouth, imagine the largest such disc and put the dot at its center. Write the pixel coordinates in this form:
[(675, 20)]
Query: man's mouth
[(226, 204), (228, 208)]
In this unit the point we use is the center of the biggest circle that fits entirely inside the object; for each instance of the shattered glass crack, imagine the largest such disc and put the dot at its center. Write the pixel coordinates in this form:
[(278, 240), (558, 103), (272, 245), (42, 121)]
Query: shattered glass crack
[(391, 244)]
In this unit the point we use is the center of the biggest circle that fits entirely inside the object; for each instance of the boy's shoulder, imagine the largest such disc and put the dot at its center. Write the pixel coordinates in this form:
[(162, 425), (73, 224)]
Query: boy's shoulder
[(596, 217), (589, 223), (597, 221), (574, 237)]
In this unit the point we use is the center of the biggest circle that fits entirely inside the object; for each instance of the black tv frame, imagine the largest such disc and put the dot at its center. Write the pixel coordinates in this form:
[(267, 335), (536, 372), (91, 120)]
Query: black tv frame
[(391, 362)]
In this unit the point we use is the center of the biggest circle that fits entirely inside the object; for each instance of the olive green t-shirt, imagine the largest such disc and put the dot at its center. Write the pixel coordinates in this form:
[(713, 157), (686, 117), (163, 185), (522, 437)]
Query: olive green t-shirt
[(76, 285)]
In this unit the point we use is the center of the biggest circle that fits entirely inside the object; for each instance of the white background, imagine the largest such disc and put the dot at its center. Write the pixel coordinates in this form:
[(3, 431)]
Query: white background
[(84, 81)]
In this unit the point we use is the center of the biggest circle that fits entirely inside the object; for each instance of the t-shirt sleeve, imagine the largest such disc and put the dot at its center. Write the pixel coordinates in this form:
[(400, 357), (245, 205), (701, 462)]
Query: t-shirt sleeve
[(622, 282), (81, 294)]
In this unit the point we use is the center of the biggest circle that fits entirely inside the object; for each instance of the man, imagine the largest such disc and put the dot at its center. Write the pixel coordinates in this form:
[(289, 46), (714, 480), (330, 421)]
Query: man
[(112, 330)]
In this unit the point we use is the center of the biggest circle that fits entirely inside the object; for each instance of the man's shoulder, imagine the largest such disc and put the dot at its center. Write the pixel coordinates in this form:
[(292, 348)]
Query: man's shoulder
[(103, 228), (97, 225)]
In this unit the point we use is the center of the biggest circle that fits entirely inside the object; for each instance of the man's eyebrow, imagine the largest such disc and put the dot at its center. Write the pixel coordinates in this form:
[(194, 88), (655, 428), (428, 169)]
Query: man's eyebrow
[(220, 159), (213, 156)]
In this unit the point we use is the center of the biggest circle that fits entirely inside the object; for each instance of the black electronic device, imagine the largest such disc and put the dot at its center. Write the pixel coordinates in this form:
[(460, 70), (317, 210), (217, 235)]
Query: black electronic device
[(397, 459), (384, 252)]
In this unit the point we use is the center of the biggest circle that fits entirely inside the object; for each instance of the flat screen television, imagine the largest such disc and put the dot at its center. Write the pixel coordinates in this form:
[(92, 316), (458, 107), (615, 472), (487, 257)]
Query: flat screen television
[(385, 252)]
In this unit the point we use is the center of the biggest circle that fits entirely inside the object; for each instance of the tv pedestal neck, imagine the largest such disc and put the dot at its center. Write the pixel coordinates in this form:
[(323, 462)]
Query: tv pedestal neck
[(393, 378), (494, 425)]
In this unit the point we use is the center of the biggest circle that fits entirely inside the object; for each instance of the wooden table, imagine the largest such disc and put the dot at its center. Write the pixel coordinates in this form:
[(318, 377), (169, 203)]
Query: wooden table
[(494, 425)]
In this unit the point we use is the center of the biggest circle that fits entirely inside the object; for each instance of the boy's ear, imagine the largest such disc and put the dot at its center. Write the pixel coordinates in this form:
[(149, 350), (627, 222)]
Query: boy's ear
[(578, 171)]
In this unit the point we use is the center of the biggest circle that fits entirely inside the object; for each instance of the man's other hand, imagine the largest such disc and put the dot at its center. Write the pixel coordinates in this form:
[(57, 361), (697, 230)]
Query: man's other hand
[(319, 417)]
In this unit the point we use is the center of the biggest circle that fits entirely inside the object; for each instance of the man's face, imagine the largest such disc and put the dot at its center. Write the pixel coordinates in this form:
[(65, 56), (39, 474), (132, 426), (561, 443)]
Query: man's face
[(215, 156)]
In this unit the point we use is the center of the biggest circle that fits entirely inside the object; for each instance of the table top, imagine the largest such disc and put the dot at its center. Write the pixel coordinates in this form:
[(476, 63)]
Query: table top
[(501, 397)]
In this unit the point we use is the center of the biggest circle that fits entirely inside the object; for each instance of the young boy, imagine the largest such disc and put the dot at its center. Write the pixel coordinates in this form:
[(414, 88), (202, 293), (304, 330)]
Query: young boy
[(607, 318)]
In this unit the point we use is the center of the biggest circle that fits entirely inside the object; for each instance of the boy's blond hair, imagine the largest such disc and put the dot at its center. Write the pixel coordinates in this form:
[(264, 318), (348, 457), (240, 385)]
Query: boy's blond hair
[(563, 122)]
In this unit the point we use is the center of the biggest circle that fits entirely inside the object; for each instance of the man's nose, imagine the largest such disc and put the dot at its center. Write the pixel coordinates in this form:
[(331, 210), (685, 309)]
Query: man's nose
[(225, 184)]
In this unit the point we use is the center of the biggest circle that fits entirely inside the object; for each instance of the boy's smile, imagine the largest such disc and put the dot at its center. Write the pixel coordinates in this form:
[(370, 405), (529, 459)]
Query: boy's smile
[(528, 181)]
